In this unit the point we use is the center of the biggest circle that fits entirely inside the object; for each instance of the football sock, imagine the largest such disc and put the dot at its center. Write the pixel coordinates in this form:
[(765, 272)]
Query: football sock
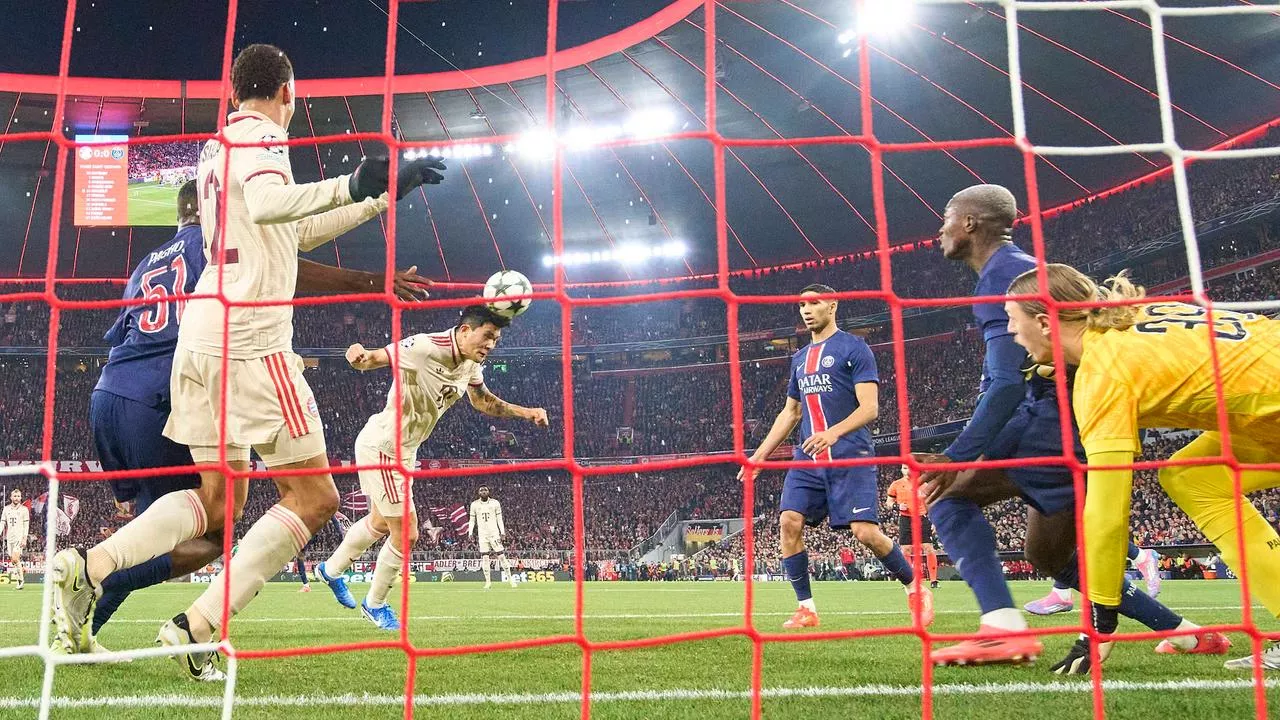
[(1062, 593), (484, 565), (1058, 587), (932, 559), (1134, 552), (505, 564), (971, 544), (796, 568), (1134, 603), (302, 569), (170, 521), (277, 536), (359, 538), (896, 564), (390, 560), (117, 586)]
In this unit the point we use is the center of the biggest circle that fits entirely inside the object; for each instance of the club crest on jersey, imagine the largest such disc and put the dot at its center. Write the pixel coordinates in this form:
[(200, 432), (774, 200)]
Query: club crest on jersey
[(312, 408), (828, 361)]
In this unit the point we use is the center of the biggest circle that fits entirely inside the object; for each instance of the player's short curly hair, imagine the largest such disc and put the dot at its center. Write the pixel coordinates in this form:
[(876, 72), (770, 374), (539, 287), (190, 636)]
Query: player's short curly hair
[(259, 71), (477, 315), (188, 202)]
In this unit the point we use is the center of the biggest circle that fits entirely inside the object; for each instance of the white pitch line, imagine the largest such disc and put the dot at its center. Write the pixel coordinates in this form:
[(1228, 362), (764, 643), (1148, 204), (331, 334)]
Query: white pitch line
[(591, 616), (354, 700)]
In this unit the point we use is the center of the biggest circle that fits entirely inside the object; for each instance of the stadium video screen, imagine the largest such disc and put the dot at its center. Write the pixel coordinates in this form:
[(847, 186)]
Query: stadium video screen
[(117, 184)]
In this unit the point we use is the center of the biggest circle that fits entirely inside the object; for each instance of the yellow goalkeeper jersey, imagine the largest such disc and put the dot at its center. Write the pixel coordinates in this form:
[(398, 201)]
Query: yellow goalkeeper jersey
[(1160, 374)]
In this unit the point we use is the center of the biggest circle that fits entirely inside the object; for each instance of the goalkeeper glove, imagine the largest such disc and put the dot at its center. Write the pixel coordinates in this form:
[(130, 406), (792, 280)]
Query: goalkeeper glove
[(372, 176), (1077, 661)]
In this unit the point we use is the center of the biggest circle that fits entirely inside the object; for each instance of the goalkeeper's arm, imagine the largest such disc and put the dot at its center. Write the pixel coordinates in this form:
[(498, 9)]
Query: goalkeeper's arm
[(783, 426)]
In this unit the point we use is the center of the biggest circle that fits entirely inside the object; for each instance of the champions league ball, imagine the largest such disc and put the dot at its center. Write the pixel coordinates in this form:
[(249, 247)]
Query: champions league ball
[(505, 284)]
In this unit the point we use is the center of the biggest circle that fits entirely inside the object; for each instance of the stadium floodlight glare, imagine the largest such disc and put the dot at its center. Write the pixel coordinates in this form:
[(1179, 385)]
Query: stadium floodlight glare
[(649, 122), (879, 17), (454, 152), (629, 253)]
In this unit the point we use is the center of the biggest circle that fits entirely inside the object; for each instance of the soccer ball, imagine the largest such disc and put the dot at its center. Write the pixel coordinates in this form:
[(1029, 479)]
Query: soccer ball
[(504, 284)]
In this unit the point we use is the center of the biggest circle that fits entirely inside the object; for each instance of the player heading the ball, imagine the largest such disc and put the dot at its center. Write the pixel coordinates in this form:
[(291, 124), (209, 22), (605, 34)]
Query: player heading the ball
[(435, 370)]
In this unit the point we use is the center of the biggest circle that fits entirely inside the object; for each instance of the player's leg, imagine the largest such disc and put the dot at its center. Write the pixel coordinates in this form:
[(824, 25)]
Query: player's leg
[(852, 496), (1207, 495), (306, 504), (484, 564), (15, 564), (803, 499), (930, 556), (970, 542), (301, 562), (1147, 562), (176, 517), (360, 537), (171, 520), (129, 435), (389, 565), (971, 545), (495, 545), (399, 515)]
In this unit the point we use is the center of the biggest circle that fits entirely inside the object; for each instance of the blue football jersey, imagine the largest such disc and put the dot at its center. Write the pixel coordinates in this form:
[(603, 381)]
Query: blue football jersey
[(143, 337), (997, 275), (822, 379)]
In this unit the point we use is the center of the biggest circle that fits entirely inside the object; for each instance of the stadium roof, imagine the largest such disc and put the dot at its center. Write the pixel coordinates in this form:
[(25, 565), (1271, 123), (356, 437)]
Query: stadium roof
[(784, 68)]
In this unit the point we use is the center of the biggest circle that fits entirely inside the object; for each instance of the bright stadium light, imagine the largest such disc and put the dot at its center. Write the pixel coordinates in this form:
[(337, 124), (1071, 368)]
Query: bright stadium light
[(649, 122), (630, 253), (884, 17)]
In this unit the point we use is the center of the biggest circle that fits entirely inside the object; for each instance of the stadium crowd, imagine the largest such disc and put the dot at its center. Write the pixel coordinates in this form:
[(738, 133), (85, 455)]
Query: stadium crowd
[(660, 402)]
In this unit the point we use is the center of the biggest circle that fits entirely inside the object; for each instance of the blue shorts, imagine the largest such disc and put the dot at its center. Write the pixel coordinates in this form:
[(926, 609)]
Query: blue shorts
[(1034, 431), (128, 435), (843, 494)]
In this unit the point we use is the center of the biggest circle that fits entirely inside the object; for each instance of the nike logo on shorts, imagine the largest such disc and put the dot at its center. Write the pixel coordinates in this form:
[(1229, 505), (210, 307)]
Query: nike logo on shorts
[(860, 510)]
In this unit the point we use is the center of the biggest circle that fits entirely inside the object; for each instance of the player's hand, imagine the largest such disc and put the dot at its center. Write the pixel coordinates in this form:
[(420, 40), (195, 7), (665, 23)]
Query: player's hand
[(372, 176), (934, 482), (742, 471), (357, 356), (818, 442), (410, 286), (538, 416), (412, 174)]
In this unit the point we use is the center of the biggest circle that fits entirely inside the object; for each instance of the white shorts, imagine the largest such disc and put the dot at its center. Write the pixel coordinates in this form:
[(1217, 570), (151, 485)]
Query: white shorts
[(270, 408), (15, 544), (384, 488), (492, 544)]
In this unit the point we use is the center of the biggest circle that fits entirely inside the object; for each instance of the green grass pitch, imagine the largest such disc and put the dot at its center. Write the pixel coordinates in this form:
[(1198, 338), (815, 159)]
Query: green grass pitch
[(153, 204), (864, 678)]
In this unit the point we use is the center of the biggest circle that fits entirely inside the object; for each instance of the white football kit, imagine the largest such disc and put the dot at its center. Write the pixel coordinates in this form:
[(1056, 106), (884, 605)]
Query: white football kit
[(433, 376), (17, 526), (268, 219), (486, 522)]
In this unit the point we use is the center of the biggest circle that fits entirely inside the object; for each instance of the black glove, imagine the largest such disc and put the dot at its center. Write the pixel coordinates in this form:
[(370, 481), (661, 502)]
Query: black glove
[(1077, 661), (371, 177)]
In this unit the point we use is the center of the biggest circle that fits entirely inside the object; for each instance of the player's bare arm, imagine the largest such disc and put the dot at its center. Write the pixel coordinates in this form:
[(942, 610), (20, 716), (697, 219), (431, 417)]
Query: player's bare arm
[(315, 278), (483, 400), (868, 410), (363, 359), (783, 425)]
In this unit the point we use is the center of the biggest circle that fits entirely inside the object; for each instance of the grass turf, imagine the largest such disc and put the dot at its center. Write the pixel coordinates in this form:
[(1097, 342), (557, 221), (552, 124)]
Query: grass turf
[(153, 204), (874, 677)]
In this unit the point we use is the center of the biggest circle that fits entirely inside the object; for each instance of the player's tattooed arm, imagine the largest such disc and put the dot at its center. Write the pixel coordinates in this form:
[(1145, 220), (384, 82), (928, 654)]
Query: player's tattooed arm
[(489, 404), (363, 359)]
